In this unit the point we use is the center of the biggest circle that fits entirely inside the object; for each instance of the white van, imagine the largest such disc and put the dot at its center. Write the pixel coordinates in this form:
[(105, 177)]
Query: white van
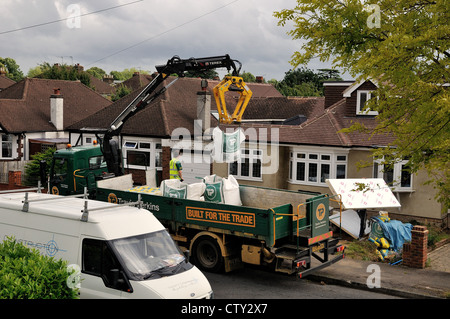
[(121, 251)]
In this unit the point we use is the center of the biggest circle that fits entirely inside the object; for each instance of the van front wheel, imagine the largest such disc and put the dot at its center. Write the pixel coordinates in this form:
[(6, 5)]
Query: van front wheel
[(207, 255)]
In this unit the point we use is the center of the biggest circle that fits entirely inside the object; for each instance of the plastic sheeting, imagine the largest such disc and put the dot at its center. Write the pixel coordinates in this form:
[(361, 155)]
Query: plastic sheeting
[(395, 231)]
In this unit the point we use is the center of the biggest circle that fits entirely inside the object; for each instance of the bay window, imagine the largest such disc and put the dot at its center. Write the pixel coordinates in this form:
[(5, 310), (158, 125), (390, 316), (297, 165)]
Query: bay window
[(315, 167)]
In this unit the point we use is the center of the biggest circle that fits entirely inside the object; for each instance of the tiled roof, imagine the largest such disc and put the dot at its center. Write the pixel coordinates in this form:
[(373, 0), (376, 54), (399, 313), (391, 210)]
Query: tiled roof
[(100, 86), (25, 106), (137, 81), (176, 108), (322, 129), (5, 82)]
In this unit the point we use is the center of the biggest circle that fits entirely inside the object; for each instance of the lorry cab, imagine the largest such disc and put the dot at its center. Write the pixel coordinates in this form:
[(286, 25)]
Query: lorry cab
[(119, 251), (75, 168)]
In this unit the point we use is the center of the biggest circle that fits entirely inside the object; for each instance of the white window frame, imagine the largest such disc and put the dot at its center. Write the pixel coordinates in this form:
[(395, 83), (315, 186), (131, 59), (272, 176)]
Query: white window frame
[(253, 155), (395, 184), (311, 158), (360, 109), (154, 152), (10, 142)]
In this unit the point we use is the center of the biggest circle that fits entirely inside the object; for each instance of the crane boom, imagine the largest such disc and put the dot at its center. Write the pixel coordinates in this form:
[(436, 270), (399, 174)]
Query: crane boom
[(149, 93)]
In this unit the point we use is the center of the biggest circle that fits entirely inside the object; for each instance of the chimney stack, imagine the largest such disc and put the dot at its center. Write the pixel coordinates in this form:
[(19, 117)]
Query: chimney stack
[(56, 109), (259, 79), (204, 106), (2, 71), (108, 79)]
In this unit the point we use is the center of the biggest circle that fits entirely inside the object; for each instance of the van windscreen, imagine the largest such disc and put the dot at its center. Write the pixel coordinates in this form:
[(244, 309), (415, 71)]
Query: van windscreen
[(150, 256)]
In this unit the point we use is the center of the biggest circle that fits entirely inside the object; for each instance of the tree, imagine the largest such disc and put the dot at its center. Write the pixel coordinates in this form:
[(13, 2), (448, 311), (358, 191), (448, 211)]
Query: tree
[(248, 77), (120, 92), (403, 46), (64, 72), (126, 74), (305, 82), (96, 72), (12, 69), (34, 72), (33, 167)]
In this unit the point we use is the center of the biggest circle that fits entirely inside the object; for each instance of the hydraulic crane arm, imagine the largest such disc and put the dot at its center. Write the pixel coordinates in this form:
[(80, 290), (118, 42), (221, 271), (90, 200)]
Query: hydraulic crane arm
[(174, 65), (149, 93)]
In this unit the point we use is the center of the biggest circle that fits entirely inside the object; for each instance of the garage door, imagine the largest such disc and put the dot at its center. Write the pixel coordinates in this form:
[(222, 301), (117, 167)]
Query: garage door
[(196, 165)]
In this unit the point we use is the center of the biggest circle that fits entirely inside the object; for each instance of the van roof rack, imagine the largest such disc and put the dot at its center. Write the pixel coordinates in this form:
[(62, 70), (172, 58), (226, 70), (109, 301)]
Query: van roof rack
[(85, 211)]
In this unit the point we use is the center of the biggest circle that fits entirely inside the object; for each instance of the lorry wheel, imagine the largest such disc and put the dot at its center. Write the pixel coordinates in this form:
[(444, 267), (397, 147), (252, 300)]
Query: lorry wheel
[(207, 255)]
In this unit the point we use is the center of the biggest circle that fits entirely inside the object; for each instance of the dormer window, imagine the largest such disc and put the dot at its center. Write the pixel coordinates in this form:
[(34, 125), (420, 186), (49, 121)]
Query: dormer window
[(362, 96)]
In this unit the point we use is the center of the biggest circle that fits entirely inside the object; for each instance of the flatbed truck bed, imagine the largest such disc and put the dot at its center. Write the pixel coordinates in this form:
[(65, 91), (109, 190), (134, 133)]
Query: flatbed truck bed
[(273, 227)]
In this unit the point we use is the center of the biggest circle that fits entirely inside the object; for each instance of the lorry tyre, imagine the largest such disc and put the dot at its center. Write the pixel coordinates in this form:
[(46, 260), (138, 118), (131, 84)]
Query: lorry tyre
[(207, 254)]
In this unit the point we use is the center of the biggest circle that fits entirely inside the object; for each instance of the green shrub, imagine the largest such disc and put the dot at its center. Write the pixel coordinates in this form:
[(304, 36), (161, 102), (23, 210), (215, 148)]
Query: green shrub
[(26, 274), (32, 168)]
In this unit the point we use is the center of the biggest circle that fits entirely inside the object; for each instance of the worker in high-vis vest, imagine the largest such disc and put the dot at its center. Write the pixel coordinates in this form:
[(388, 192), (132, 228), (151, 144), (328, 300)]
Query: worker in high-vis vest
[(175, 166)]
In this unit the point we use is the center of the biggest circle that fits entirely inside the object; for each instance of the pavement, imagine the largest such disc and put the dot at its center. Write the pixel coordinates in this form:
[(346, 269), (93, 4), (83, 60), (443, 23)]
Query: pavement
[(397, 280)]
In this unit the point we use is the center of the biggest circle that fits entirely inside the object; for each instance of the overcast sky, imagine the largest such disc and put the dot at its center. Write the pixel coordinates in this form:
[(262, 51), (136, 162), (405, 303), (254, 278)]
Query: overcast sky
[(145, 33)]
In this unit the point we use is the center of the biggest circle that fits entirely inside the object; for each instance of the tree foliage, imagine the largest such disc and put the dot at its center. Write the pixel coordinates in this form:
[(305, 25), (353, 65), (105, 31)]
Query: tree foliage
[(126, 74), (64, 72), (32, 168), (26, 274), (120, 91), (403, 46), (96, 72), (12, 69), (305, 82)]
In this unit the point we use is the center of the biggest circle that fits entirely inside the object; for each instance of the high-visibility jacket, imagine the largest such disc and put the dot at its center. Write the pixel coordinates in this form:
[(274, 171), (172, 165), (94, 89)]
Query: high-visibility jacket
[(174, 169)]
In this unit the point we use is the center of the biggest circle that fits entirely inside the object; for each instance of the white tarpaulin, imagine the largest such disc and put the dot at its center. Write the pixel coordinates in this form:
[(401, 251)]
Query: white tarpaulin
[(375, 194)]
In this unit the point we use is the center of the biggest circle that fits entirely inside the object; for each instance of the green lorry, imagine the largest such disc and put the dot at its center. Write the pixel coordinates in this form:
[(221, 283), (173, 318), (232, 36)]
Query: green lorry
[(286, 230)]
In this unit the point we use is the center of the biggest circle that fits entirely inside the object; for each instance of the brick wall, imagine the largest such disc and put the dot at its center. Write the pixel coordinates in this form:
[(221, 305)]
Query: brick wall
[(166, 157), (415, 252)]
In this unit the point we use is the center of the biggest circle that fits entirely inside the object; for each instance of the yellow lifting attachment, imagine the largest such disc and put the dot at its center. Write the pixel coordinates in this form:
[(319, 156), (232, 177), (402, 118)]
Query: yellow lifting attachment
[(231, 83)]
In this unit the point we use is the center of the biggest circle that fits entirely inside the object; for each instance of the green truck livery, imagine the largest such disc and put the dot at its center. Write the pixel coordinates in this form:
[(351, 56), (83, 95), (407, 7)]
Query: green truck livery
[(286, 230)]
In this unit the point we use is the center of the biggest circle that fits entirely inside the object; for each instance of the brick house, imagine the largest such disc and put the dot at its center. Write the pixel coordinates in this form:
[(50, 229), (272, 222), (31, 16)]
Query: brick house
[(36, 114)]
